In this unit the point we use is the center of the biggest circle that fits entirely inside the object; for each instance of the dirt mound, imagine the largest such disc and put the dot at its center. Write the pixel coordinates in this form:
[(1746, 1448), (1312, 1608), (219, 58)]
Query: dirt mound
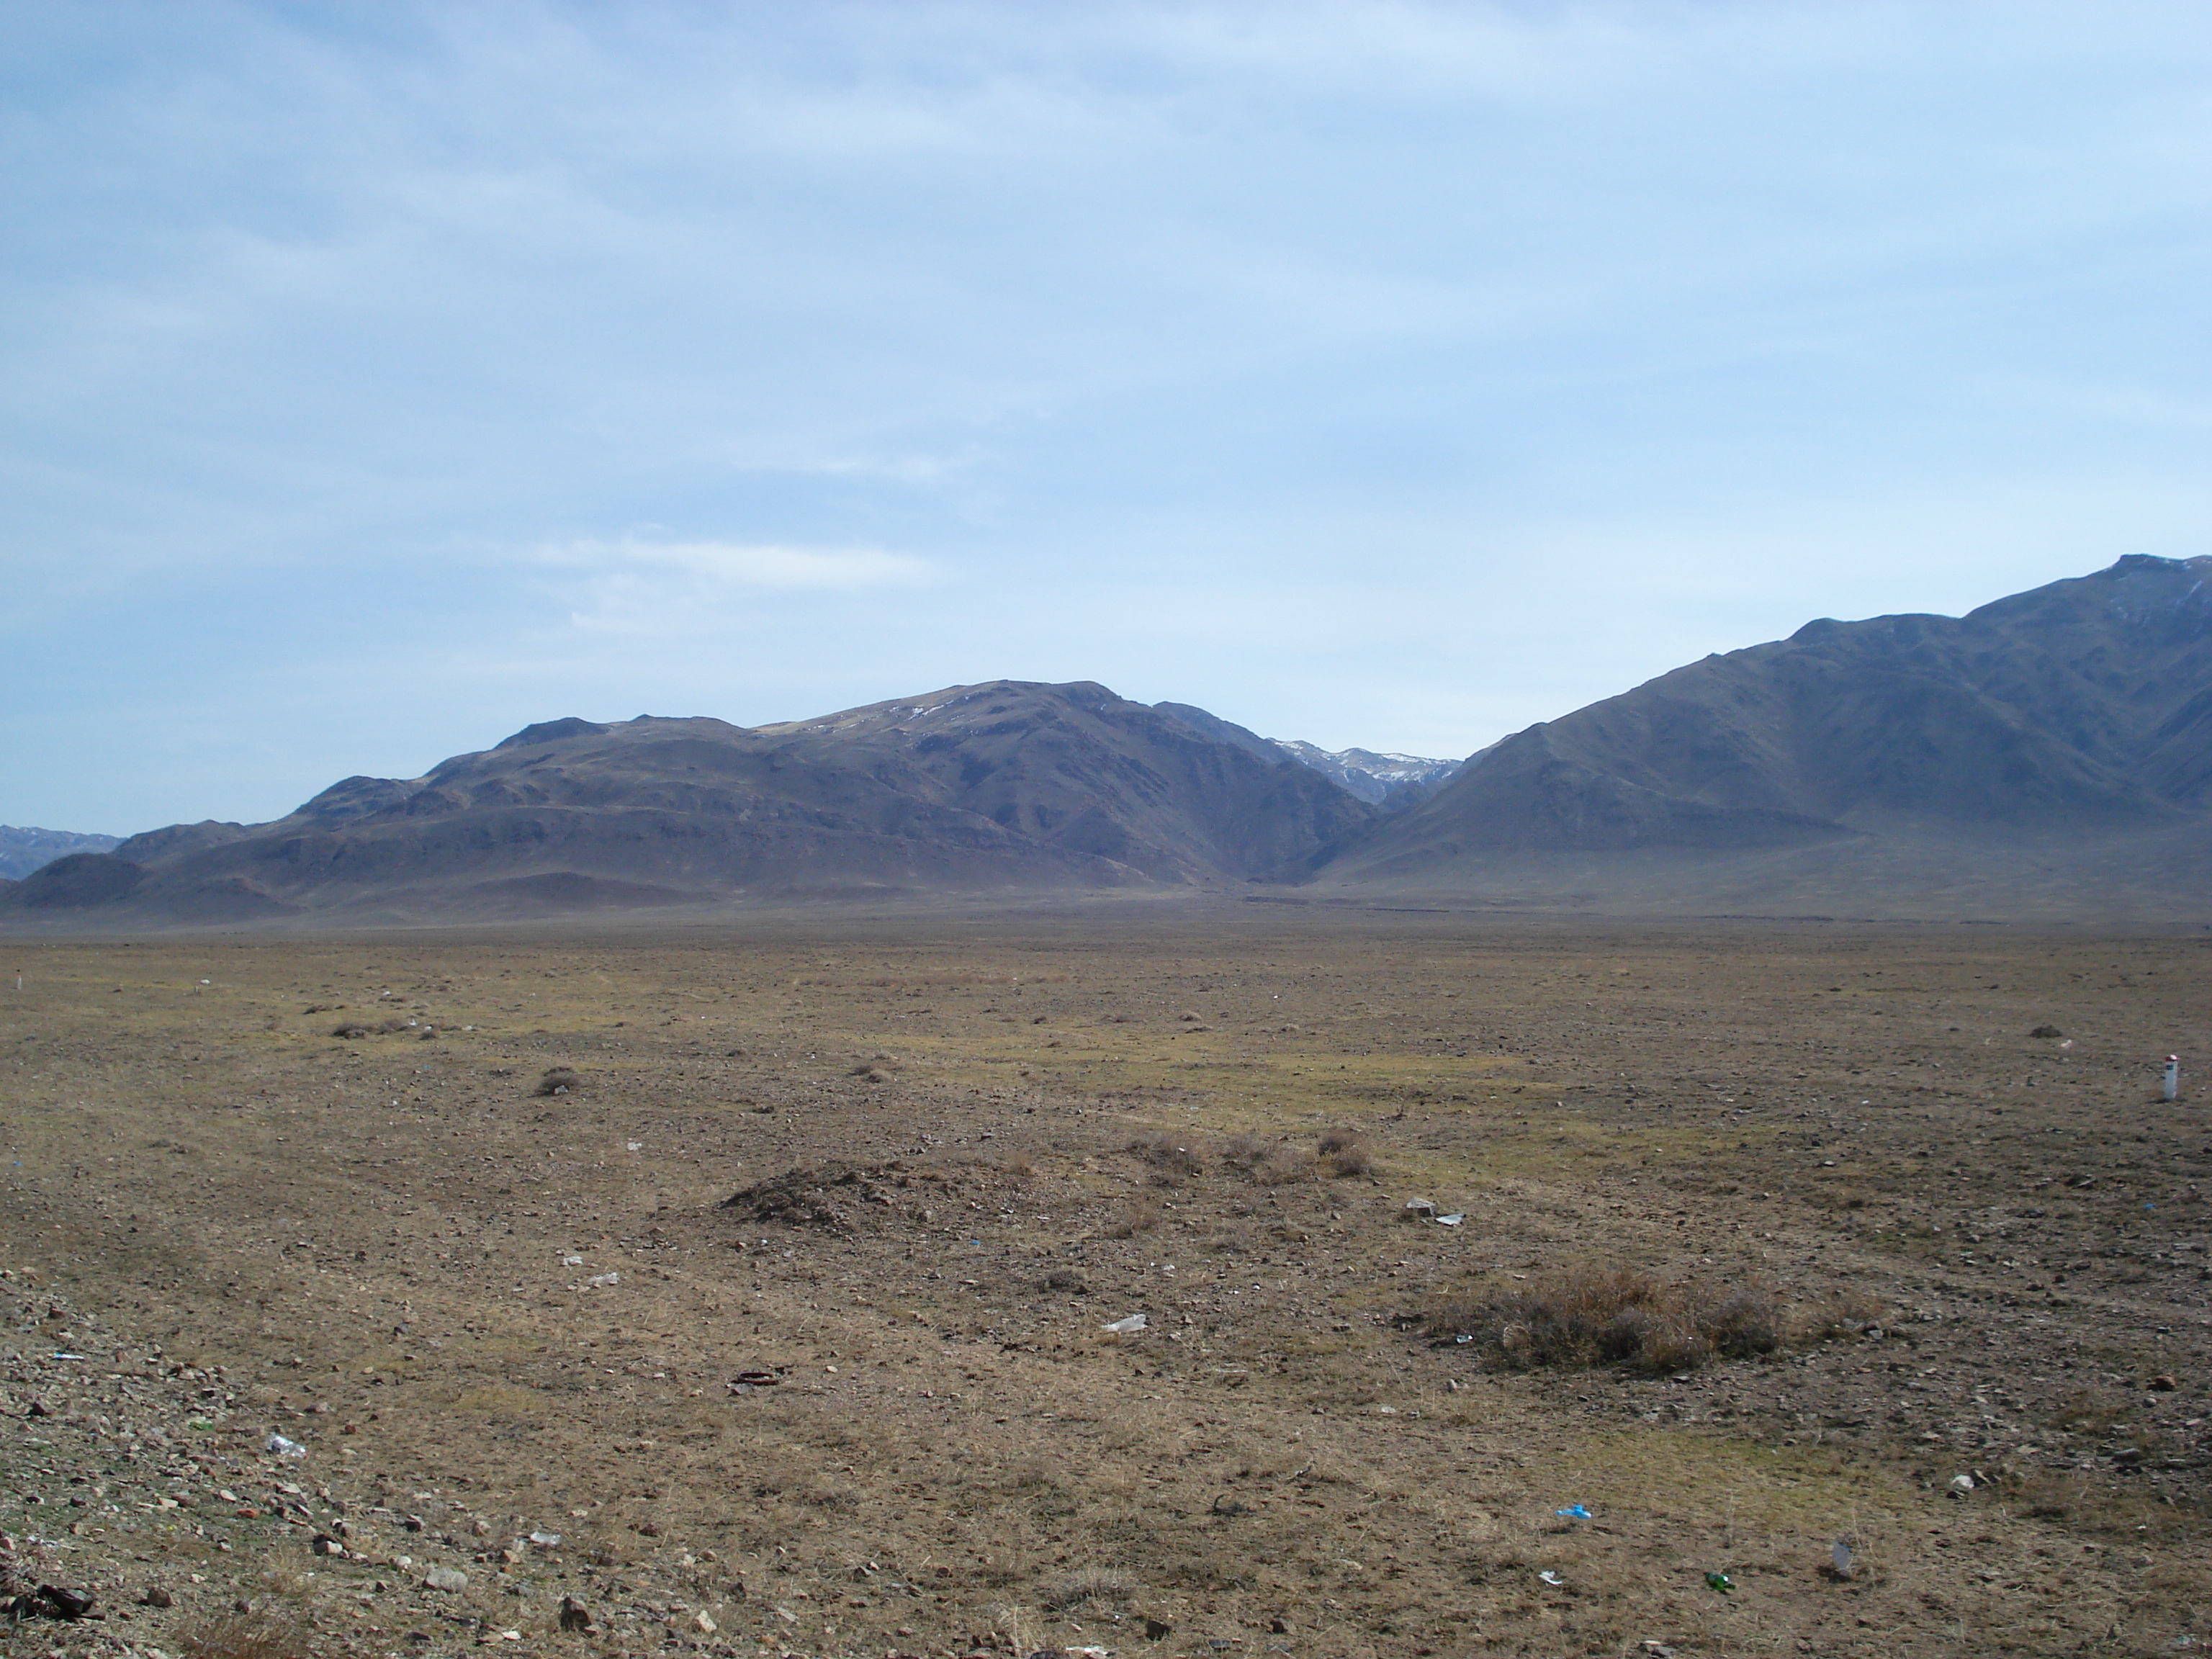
[(840, 1197)]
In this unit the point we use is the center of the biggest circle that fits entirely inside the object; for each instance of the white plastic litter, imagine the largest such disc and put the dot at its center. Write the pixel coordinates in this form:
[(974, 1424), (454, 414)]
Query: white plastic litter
[(1451, 1220), (1841, 1555), (572, 1262), (1125, 1326), (546, 1540), (602, 1279), (1551, 1579), (278, 1445)]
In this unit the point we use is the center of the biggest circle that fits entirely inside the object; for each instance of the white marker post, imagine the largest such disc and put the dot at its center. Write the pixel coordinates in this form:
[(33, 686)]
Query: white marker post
[(2174, 1076)]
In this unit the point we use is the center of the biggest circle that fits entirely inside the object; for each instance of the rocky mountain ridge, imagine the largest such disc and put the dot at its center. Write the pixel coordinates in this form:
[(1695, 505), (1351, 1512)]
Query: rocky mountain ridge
[(1006, 785), (25, 849), (2047, 754), (2072, 722)]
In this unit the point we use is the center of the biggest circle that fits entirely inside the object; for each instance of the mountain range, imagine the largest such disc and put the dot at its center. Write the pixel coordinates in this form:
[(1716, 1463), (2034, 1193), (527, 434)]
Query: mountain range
[(23, 850), (2049, 754)]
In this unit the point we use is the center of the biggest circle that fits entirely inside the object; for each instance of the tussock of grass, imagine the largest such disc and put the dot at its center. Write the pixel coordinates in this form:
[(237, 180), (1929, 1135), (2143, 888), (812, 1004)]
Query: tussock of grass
[(1088, 1586), (1346, 1152), (1615, 1316), (256, 1635)]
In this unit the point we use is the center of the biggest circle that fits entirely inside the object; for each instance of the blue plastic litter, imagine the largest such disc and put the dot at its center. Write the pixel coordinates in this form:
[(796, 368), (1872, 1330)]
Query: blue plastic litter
[(1573, 1512)]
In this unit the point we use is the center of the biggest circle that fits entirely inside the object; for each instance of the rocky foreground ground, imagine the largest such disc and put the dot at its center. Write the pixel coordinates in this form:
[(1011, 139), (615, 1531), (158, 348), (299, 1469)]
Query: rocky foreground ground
[(621, 1294)]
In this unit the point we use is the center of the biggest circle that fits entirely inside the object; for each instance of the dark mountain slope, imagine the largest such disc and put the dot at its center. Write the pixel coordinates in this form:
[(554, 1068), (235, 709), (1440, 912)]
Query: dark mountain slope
[(1002, 786), (24, 849), (2082, 711)]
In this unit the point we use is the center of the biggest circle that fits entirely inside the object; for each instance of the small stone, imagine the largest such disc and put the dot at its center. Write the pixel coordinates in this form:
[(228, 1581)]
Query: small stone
[(446, 1578), (575, 1615), (1157, 1630), (324, 1544), (2163, 1384), (1417, 1209), (706, 1626), (155, 1596)]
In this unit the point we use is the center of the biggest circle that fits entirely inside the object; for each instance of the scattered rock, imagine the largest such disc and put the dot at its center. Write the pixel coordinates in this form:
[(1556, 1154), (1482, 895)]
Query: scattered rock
[(445, 1578), (1157, 1630), (65, 1603), (2046, 1031), (575, 1615), (1417, 1209)]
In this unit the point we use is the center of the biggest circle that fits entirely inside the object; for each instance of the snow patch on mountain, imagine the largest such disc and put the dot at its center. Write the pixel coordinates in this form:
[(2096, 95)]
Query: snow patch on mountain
[(1372, 774)]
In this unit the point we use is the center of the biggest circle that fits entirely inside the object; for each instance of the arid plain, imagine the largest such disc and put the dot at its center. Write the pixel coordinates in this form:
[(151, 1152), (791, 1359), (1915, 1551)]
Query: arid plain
[(482, 1312)]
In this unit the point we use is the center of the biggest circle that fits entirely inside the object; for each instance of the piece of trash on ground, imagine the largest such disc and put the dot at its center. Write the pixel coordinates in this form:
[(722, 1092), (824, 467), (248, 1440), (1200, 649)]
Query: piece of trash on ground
[(598, 1279), (1551, 1579), (278, 1444), (1841, 1555), (1721, 1581), (1453, 1219), (1126, 1326), (1573, 1512)]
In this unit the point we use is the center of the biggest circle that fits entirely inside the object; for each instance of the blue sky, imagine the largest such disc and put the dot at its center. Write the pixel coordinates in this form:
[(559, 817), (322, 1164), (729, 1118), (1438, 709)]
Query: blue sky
[(378, 378)]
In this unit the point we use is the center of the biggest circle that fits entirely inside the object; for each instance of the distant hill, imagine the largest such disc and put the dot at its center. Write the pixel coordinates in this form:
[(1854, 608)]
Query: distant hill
[(2068, 724), (1006, 785), (22, 851), (2047, 756), (1377, 778)]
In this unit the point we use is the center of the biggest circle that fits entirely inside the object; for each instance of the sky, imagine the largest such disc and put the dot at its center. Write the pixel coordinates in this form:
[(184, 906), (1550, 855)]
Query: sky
[(377, 378)]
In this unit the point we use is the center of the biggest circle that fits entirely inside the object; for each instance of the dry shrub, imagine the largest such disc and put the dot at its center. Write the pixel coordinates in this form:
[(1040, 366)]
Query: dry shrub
[(261, 1634), (1616, 1316), (1243, 1152), (1141, 1216), (1283, 1167), (1171, 1157), (558, 1079), (1088, 1586), (1346, 1152)]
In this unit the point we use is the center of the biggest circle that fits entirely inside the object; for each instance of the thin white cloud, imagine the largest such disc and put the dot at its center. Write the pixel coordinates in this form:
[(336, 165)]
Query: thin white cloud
[(638, 586)]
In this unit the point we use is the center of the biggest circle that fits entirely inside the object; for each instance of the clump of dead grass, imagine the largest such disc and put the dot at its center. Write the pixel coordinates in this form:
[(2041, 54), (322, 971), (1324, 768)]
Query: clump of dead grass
[(558, 1080), (1267, 1162), (260, 1633), (1103, 1587), (1174, 1159), (1345, 1152), (1615, 1315), (1140, 1215)]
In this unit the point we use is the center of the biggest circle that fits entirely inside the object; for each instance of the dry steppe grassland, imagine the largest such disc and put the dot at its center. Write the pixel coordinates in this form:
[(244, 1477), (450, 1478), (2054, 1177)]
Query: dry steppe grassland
[(873, 1407)]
